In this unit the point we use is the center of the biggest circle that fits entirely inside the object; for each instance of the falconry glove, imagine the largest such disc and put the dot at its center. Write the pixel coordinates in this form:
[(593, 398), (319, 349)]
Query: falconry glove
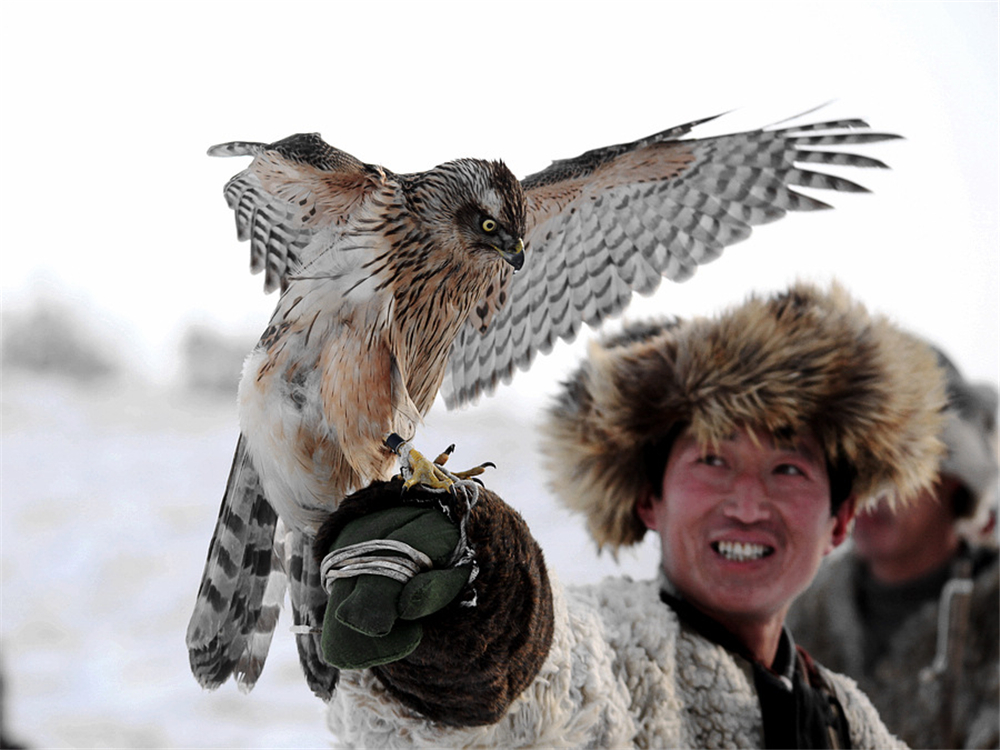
[(461, 634), (385, 572)]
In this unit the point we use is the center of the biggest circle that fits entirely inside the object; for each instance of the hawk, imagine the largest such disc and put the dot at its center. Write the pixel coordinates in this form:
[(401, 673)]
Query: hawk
[(395, 286)]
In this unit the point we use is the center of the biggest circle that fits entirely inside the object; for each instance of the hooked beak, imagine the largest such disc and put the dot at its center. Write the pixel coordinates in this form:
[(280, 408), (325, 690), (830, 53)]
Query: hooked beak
[(513, 253)]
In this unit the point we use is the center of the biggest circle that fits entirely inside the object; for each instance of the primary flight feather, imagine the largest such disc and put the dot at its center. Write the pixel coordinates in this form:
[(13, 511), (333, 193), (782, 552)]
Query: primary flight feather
[(396, 286)]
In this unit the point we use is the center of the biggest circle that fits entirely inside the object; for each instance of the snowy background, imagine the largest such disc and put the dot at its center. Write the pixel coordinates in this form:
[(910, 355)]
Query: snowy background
[(126, 306)]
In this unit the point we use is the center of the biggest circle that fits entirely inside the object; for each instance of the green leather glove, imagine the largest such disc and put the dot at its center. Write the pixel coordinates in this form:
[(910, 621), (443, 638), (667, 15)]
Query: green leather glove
[(373, 619)]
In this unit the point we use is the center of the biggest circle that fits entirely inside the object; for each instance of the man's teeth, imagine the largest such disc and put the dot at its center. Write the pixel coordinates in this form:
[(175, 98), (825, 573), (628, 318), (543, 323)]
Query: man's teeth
[(741, 552)]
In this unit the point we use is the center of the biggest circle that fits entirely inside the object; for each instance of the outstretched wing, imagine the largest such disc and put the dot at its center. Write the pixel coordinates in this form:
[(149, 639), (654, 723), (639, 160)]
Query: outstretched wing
[(291, 199), (616, 220), (243, 585)]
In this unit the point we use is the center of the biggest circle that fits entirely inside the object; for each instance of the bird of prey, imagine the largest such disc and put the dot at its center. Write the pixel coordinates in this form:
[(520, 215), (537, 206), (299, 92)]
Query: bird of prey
[(395, 286)]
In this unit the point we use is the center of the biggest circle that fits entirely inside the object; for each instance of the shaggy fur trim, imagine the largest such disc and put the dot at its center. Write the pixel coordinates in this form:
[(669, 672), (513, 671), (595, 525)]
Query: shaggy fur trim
[(804, 358), (970, 435)]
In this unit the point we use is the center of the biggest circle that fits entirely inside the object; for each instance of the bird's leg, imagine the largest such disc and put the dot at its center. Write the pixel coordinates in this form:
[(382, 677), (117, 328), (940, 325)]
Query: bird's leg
[(418, 469)]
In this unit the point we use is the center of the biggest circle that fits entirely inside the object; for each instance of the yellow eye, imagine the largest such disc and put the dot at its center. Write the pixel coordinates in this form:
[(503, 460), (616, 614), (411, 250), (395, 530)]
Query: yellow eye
[(489, 226)]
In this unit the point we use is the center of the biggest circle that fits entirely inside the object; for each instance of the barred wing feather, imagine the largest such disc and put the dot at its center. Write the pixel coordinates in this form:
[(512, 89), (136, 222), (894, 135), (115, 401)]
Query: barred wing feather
[(291, 199), (618, 220)]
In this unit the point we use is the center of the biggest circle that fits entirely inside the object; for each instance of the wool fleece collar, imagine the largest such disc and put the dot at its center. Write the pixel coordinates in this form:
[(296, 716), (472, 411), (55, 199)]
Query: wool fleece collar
[(797, 707)]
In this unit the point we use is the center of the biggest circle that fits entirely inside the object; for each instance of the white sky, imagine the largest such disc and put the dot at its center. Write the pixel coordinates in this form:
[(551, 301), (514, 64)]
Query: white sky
[(108, 197)]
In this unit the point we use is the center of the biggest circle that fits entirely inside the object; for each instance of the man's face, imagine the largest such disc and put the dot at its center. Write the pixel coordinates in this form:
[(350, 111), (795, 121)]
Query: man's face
[(744, 526), (909, 536)]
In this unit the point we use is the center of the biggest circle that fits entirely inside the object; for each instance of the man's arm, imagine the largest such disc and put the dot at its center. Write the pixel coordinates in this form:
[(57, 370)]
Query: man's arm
[(504, 671)]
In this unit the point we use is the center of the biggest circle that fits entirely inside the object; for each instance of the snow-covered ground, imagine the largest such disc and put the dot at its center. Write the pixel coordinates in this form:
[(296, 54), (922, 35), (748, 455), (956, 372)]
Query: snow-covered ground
[(109, 497)]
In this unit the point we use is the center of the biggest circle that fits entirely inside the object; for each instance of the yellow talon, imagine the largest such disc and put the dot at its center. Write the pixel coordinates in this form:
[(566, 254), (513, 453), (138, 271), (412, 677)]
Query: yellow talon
[(475, 471), (416, 469), (442, 458), (426, 473)]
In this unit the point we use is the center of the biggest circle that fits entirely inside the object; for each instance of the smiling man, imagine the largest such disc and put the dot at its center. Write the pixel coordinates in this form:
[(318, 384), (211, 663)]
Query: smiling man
[(747, 443), (743, 528)]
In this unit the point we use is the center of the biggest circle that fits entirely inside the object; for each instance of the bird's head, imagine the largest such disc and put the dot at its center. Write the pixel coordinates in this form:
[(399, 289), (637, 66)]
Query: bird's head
[(482, 206)]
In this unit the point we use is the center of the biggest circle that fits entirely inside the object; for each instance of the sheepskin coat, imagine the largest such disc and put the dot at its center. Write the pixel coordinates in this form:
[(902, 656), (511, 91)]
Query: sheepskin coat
[(922, 706), (621, 672)]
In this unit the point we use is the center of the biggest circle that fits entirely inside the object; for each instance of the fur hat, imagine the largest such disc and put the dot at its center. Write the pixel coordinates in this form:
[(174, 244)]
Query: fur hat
[(970, 436), (805, 358)]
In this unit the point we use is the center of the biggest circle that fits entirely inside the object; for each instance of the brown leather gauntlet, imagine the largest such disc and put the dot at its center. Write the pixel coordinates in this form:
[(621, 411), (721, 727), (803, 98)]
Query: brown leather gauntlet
[(479, 652)]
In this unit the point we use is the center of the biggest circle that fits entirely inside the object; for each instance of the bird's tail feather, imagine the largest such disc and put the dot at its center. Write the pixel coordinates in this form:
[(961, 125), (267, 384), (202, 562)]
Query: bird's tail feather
[(251, 662), (308, 608), (242, 586)]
